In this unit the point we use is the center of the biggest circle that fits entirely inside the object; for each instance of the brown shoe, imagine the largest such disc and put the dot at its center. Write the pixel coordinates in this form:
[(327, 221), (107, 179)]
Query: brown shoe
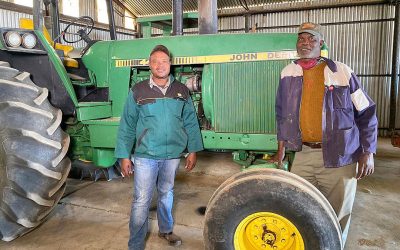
[(173, 239)]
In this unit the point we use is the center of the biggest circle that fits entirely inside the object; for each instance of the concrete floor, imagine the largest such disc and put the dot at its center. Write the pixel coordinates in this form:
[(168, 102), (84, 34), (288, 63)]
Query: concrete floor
[(95, 215)]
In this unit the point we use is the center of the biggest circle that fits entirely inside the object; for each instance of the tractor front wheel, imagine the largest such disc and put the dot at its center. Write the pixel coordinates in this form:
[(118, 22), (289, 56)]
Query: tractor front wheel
[(270, 209), (33, 166)]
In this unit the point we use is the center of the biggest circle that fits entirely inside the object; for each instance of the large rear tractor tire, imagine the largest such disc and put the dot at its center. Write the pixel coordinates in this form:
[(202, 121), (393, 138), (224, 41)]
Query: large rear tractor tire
[(33, 166), (270, 209)]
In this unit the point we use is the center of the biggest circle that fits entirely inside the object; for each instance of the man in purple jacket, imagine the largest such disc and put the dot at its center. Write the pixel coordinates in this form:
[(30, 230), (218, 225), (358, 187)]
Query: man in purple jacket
[(322, 112)]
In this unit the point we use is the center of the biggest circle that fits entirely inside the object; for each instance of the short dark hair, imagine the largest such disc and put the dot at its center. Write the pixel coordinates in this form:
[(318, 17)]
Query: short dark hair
[(161, 48)]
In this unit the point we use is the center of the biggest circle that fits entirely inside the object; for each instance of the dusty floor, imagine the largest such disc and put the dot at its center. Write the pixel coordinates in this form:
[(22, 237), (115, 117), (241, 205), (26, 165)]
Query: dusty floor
[(95, 215)]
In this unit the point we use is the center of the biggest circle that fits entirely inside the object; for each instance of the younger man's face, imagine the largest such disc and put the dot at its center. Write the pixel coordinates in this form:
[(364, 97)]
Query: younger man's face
[(160, 65)]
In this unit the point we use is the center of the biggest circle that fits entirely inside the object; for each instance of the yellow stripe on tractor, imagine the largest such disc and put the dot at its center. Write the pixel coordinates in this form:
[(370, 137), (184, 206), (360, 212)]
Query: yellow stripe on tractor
[(244, 57)]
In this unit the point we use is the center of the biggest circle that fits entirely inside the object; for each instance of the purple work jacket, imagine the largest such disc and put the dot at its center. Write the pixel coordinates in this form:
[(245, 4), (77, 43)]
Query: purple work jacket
[(349, 123)]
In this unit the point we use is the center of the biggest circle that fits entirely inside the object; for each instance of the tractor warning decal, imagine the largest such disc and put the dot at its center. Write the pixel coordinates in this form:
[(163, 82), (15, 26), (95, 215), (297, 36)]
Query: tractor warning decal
[(244, 57)]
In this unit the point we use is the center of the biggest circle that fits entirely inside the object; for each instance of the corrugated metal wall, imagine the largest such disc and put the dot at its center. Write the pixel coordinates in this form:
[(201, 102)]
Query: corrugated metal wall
[(11, 18), (87, 8), (96, 34)]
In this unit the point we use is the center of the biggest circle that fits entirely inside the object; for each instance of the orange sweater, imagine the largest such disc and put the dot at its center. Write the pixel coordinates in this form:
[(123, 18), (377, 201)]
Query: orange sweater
[(311, 103)]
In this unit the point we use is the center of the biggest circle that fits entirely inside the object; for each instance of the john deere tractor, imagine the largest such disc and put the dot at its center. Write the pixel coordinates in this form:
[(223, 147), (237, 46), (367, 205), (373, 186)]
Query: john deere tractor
[(55, 109)]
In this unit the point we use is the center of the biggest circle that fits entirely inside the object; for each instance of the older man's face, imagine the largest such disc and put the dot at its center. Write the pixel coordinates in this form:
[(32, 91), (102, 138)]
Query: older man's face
[(308, 46)]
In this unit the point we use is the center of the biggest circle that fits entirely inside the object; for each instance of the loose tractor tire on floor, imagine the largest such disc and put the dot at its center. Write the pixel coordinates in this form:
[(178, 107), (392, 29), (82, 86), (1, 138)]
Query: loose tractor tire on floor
[(270, 209)]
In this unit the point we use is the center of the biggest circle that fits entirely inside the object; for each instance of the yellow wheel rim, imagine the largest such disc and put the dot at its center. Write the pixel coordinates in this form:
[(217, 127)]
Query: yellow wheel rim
[(265, 231)]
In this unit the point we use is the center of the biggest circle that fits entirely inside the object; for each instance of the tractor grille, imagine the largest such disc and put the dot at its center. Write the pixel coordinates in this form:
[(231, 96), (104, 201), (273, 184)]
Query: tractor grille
[(244, 96)]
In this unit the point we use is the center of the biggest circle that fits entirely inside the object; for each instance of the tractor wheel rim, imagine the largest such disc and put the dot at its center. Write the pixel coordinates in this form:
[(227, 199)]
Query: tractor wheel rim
[(265, 231)]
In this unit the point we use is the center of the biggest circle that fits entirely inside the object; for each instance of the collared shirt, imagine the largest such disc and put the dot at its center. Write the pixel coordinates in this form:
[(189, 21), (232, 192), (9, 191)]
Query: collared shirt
[(162, 89)]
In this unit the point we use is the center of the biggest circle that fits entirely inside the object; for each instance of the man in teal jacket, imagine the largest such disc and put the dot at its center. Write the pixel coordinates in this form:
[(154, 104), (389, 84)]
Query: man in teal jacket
[(159, 119)]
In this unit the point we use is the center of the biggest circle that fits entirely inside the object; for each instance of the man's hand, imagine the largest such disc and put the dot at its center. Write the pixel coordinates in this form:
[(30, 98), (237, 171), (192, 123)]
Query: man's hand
[(280, 155), (191, 161), (365, 165), (126, 167)]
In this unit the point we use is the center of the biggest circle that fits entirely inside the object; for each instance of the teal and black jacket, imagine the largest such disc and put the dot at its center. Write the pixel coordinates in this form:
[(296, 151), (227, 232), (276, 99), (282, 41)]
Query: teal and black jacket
[(158, 126)]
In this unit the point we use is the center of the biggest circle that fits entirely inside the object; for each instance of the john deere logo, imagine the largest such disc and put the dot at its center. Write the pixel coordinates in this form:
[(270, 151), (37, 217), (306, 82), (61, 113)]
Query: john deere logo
[(244, 57)]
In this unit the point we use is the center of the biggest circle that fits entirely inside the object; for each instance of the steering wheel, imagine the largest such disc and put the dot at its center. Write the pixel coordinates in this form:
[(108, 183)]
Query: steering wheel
[(84, 21)]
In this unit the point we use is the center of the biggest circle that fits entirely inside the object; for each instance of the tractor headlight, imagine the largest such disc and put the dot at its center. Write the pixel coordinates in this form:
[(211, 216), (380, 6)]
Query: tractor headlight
[(13, 39), (29, 41)]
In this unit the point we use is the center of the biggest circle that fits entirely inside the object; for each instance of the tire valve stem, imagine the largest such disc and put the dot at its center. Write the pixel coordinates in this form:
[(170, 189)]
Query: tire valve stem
[(268, 236)]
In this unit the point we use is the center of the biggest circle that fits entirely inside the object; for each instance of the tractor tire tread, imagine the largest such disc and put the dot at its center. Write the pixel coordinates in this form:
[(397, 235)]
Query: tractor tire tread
[(33, 166)]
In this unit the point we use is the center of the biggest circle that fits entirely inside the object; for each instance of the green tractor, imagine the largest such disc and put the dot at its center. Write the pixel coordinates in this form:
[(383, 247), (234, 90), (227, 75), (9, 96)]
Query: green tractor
[(67, 110)]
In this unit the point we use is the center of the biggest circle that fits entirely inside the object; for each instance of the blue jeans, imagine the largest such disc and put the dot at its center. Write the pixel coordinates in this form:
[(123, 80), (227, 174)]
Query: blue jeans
[(149, 173)]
